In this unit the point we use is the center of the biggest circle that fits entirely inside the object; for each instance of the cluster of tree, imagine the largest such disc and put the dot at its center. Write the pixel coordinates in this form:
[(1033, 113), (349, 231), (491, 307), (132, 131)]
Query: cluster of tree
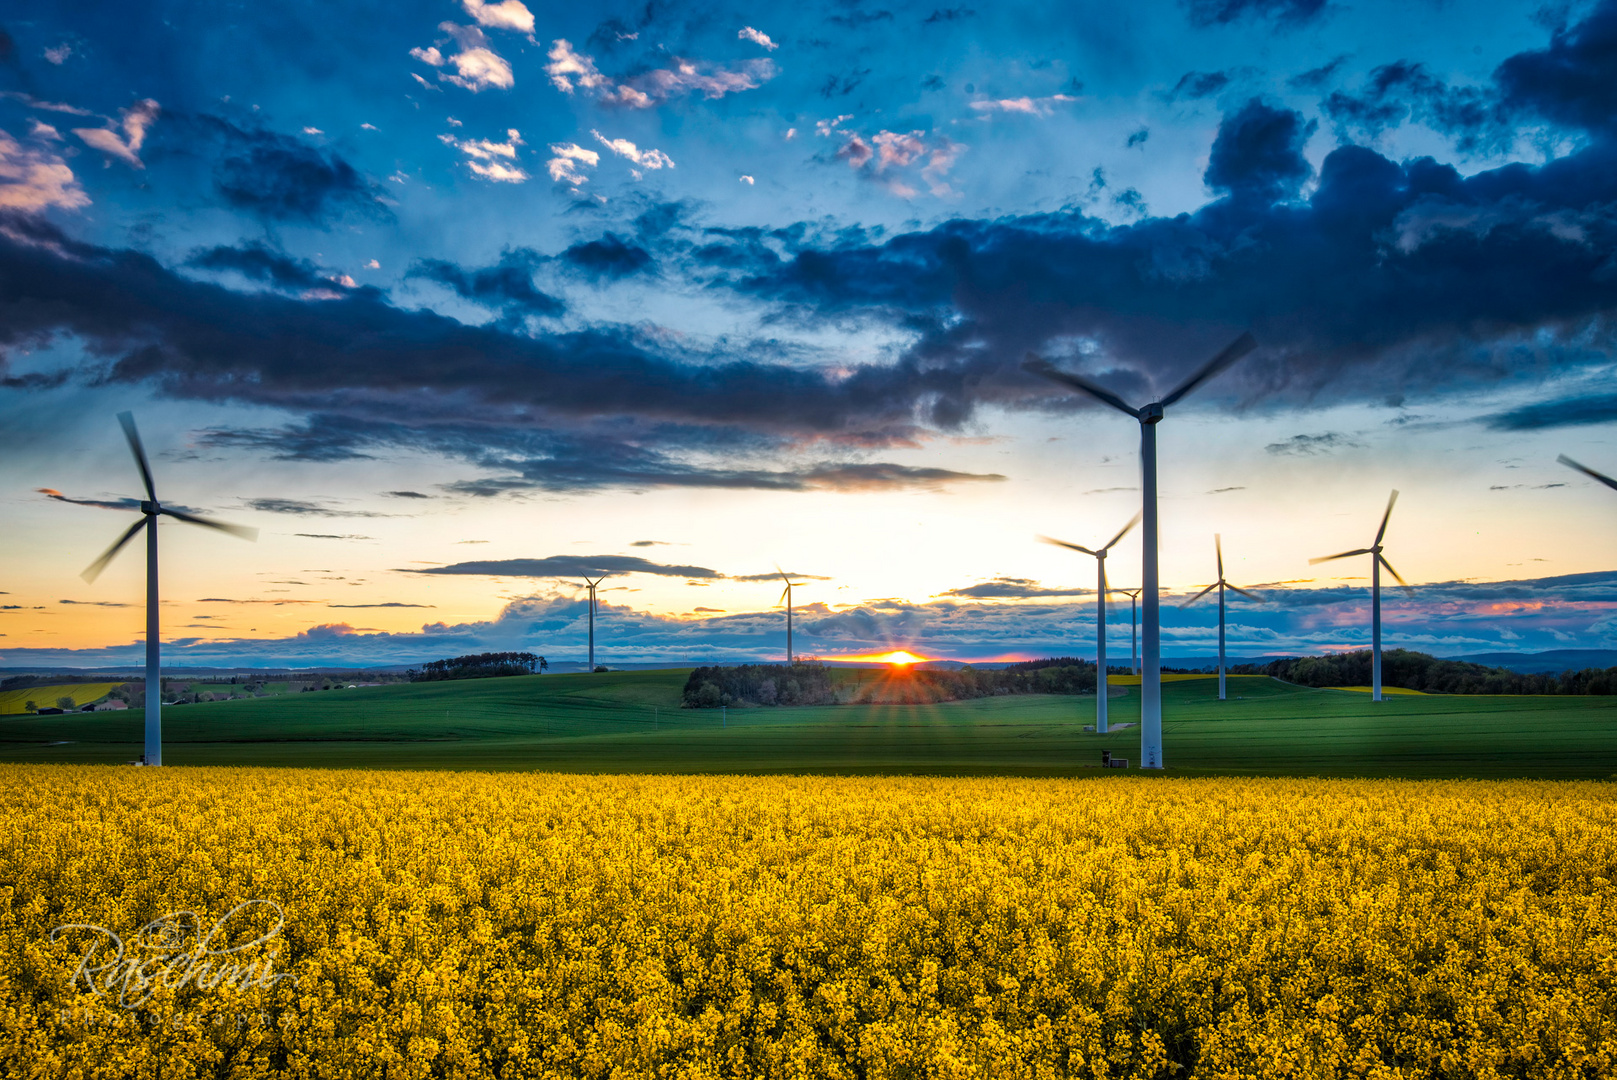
[(750, 685), (1429, 674), (486, 665), (758, 684)]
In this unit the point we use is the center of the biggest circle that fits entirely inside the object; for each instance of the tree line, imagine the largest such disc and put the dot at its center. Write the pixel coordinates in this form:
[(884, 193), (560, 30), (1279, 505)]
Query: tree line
[(749, 685), (1429, 674), (479, 666)]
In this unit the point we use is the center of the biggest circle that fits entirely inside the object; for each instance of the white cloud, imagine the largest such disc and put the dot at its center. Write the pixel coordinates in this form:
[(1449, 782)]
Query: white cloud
[(568, 69), (477, 67), (791, 133), (367, 127), (826, 128), (37, 130), (136, 119), (646, 159), (35, 178), (454, 123), (509, 15), (749, 181), (489, 159), (312, 131), (747, 33), (889, 153), (59, 54), (1027, 106), (425, 83), (373, 265), (564, 165)]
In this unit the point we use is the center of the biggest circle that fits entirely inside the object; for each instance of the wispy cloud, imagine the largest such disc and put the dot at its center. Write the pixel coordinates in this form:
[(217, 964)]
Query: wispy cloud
[(489, 159), (623, 148), (566, 162), (570, 70), (758, 37), (476, 65), (135, 121), (1024, 106), (35, 178)]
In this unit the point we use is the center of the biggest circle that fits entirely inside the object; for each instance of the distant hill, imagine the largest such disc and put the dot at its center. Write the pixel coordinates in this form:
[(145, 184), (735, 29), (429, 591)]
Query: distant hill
[(1545, 663)]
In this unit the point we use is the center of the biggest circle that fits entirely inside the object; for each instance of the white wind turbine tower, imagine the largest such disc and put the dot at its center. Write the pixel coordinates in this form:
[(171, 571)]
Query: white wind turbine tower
[(1134, 627), (1149, 416), (1100, 614), (151, 510), (1221, 585), (1377, 561), (592, 585), (787, 596)]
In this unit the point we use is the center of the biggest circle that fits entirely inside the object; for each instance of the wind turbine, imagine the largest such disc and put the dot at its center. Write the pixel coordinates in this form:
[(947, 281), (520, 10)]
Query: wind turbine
[(1148, 416), (151, 510), (1134, 627), (592, 585), (1221, 585), (1100, 615), (1376, 563), (1585, 470), (787, 596)]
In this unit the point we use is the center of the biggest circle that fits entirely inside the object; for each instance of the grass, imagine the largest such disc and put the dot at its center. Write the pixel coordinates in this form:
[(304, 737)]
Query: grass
[(630, 722)]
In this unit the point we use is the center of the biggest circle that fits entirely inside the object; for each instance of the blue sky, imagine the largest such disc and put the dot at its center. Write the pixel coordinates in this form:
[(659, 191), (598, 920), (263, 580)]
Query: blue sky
[(457, 303)]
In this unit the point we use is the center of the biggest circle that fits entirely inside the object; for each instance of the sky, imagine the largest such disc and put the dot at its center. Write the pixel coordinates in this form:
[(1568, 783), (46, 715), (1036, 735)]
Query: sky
[(459, 305)]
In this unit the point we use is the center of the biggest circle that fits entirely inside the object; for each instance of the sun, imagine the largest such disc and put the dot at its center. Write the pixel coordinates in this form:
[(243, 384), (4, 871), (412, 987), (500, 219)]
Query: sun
[(900, 658)]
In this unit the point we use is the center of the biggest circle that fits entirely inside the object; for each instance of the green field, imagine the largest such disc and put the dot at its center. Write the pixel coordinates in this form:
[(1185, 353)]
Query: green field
[(631, 722)]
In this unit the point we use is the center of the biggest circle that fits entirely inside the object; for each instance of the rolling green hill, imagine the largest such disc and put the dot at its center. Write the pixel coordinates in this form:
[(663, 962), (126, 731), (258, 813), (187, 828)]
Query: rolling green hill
[(631, 722)]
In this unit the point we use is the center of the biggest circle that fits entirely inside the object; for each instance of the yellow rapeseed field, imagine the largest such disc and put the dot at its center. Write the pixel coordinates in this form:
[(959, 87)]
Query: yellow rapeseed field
[(460, 924), (16, 701)]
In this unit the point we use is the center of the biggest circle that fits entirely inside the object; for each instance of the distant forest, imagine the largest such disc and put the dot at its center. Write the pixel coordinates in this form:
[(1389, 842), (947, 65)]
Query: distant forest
[(750, 685), (486, 665), (1428, 674)]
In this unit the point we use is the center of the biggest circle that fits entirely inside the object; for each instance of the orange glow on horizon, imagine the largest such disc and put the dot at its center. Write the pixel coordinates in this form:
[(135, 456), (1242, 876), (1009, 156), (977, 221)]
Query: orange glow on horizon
[(897, 658)]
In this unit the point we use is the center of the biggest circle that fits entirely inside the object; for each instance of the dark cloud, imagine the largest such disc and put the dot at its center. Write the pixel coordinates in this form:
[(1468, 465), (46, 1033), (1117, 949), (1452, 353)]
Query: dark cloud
[(1310, 445), (1564, 412), (1288, 13), (305, 508), (124, 503), (1195, 85), (571, 566), (855, 19), (281, 178), (1137, 139), (407, 495), (1316, 79), (1571, 81), (1005, 588), (943, 15), (334, 536), (262, 263), (1403, 89), (94, 603), (1258, 154), (391, 603), (793, 574), (507, 286), (609, 257), (1387, 276), (650, 543)]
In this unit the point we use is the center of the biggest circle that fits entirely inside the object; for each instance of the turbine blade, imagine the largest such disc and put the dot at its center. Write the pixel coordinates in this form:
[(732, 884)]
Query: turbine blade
[(1409, 589), (244, 531), (1063, 543), (1133, 521), (1585, 470), (1339, 555), (1218, 548), (128, 422), (784, 593), (1040, 366), (93, 571), (1232, 352), (1199, 595), (1243, 592), (1384, 517)]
